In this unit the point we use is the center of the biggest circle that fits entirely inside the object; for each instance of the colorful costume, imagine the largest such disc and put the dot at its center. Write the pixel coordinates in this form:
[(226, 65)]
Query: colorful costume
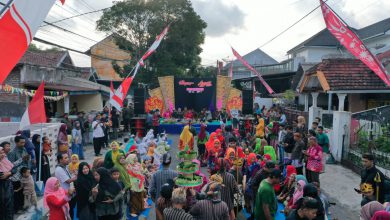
[(186, 139), (137, 180), (260, 128)]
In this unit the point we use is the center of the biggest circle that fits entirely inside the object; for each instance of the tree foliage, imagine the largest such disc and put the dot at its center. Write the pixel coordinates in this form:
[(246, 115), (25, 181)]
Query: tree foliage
[(137, 23)]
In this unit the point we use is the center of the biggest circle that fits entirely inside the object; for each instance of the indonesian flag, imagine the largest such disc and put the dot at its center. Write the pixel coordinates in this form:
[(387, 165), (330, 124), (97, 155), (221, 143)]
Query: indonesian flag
[(154, 46), (239, 57), (18, 26), (352, 42), (231, 70), (35, 112), (117, 96)]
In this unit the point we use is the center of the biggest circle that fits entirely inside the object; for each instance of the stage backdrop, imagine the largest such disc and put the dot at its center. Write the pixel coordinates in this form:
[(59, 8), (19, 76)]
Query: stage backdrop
[(195, 93)]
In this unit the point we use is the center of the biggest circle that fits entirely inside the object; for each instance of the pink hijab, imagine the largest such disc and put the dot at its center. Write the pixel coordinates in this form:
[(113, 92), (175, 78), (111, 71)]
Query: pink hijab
[(298, 193), (5, 164), (199, 173), (381, 215), (50, 189)]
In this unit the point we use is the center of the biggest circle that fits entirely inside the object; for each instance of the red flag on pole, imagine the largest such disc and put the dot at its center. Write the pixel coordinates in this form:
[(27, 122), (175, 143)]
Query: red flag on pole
[(35, 112), (155, 45), (352, 42), (117, 97), (18, 26), (265, 84)]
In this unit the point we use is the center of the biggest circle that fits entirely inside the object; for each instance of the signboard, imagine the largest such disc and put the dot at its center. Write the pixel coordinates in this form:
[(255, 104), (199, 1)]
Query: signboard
[(194, 93)]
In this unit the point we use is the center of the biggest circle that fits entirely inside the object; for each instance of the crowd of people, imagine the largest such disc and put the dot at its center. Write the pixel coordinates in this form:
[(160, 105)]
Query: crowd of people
[(254, 169)]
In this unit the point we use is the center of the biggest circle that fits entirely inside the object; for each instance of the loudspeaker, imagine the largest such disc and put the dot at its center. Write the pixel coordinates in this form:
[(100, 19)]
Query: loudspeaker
[(140, 96), (247, 102)]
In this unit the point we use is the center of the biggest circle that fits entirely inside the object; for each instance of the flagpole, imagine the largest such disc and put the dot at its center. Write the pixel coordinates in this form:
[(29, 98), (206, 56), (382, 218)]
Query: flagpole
[(6, 6)]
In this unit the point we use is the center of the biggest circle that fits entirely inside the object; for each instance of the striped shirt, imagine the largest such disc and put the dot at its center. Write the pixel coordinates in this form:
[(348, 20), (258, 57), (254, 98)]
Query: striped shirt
[(158, 180), (229, 189), (176, 214), (209, 210)]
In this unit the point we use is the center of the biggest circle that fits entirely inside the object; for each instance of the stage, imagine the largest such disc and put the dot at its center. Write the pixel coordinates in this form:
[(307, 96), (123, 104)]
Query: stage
[(177, 128)]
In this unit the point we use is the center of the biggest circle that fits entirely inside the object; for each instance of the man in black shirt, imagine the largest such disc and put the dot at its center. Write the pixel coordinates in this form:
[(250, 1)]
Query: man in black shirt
[(370, 175), (288, 141)]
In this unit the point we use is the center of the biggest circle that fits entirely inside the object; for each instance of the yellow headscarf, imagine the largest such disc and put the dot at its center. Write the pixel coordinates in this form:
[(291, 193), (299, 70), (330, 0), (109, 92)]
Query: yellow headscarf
[(73, 167), (115, 153), (186, 135)]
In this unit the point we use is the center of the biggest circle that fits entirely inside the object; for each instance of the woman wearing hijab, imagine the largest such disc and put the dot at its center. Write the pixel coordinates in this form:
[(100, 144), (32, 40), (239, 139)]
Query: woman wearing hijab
[(381, 215), (6, 189), (270, 151), (266, 158), (62, 140), (137, 180), (229, 158), (260, 127), (369, 210), (56, 200), (199, 173), (314, 161), (84, 184), (124, 176), (301, 177), (106, 195), (202, 140), (111, 156), (186, 139)]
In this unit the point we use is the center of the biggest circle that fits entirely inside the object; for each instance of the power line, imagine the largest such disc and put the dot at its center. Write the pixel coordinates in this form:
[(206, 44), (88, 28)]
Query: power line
[(288, 28), (78, 15), (76, 51)]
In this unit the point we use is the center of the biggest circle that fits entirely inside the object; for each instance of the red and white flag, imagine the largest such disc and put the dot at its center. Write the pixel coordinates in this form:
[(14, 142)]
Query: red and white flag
[(118, 96), (35, 112), (239, 57), (154, 46), (231, 70), (18, 26), (352, 42)]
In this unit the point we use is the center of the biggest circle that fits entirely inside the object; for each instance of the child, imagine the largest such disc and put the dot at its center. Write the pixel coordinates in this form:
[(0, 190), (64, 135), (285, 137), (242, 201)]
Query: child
[(27, 184), (115, 175), (74, 164), (137, 198)]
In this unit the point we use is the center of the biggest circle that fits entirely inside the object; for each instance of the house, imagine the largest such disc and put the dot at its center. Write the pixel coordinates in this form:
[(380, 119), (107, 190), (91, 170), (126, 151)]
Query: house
[(255, 58), (324, 45), (103, 54), (56, 68), (345, 85)]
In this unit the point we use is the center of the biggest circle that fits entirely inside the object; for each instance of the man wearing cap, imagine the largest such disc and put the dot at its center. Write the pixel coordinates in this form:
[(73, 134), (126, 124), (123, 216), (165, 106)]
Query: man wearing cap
[(371, 178), (266, 204), (161, 177)]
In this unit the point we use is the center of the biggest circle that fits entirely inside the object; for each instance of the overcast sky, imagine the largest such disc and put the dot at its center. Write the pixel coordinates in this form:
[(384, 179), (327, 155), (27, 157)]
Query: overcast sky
[(243, 24)]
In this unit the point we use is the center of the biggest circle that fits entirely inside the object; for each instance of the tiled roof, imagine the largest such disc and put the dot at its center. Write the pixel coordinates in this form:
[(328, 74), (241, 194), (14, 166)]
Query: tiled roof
[(43, 58), (348, 74)]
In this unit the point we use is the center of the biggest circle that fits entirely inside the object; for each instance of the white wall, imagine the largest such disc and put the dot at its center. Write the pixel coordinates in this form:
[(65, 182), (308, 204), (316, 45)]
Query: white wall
[(50, 130), (264, 101)]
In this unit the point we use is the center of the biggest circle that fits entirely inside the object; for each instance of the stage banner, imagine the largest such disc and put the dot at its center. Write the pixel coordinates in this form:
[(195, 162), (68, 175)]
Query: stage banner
[(194, 93), (167, 86), (154, 103), (223, 91), (156, 93), (235, 92)]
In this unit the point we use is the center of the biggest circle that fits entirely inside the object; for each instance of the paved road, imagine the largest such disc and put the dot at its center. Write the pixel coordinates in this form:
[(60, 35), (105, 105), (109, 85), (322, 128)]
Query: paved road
[(347, 207)]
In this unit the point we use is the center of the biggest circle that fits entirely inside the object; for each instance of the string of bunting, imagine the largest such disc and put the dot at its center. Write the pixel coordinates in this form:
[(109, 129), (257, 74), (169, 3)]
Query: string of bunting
[(49, 95)]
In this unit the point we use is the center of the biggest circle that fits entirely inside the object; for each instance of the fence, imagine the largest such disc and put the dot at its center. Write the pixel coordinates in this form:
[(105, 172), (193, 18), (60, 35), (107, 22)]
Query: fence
[(370, 133), (292, 114)]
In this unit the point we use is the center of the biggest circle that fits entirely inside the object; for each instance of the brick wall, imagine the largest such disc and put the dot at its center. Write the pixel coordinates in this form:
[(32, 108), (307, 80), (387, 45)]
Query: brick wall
[(12, 104)]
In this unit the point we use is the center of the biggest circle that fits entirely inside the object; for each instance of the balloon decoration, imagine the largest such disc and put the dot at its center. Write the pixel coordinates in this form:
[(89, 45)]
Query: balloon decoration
[(234, 103), (154, 103)]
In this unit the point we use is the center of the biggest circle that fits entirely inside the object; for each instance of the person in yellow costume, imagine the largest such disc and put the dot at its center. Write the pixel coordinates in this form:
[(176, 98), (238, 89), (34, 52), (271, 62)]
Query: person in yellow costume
[(186, 139), (260, 127)]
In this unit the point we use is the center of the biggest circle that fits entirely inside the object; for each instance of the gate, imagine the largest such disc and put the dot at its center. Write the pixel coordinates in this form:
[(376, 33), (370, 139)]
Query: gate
[(369, 133)]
